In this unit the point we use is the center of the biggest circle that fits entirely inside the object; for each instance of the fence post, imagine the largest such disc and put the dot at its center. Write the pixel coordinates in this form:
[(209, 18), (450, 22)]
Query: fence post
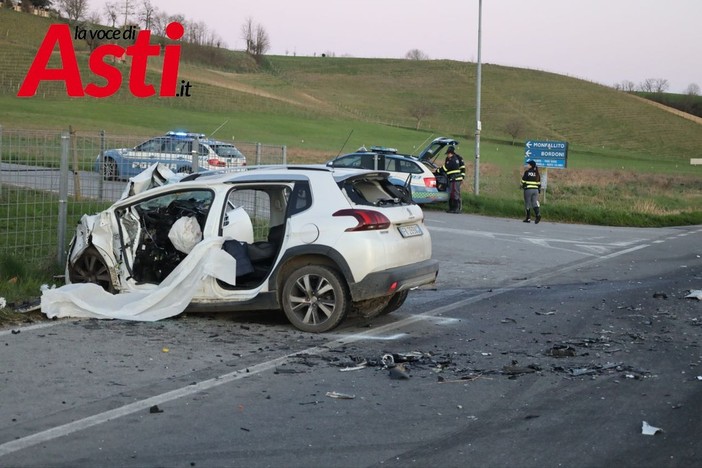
[(63, 198), (76, 173), (196, 155), (285, 155), (101, 164), (258, 154), (0, 159)]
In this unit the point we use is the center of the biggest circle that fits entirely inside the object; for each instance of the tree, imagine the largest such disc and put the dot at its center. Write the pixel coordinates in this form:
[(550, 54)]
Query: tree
[(112, 13), (419, 110), (126, 8), (74, 9), (255, 38), (514, 127), (247, 34), (416, 54), (654, 85), (262, 44), (693, 89), (146, 14), (626, 86)]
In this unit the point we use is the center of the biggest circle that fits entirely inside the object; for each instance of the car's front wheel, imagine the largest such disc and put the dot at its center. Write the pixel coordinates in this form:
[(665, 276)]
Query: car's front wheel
[(315, 298), (91, 268)]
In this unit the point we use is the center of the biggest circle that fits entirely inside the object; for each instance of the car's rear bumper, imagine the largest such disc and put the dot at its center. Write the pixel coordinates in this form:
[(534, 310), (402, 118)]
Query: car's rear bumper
[(408, 276)]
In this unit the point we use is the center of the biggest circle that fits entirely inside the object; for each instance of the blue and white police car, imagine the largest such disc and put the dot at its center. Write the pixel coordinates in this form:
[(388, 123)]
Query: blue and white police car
[(176, 150)]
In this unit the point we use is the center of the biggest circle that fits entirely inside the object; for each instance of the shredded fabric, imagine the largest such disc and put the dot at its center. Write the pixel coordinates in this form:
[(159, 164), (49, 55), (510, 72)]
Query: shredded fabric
[(167, 299)]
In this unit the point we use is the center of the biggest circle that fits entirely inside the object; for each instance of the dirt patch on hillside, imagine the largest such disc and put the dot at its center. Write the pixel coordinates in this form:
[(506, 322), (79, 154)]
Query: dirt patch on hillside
[(229, 80), (672, 110)]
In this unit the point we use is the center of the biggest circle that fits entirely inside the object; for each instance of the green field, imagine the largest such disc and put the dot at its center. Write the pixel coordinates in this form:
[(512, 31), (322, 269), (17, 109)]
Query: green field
[(629, 161)]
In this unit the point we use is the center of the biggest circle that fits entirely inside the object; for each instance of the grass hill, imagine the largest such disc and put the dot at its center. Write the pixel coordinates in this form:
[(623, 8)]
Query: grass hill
[(312, 104)]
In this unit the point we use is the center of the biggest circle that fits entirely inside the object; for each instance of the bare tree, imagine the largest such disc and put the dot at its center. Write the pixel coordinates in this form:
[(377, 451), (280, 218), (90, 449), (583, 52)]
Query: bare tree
[(654, 85), (126, 8), (255, 38), (693, 89), (262, 44), (626, 86), (247, 34), (421, 109), (514, 127), (146, 14), (416, 54), (111, 13), (74, 9)]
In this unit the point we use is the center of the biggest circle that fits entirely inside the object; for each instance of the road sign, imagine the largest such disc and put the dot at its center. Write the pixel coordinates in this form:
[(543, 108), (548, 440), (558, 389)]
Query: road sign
[(547, 153)]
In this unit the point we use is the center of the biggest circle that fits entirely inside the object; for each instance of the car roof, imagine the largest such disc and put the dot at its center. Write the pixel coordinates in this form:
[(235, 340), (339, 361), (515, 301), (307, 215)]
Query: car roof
[(201, 137), (281, 172)]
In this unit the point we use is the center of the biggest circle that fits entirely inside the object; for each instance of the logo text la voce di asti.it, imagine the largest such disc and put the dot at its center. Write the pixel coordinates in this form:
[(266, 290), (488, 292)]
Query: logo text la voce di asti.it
[(139, 52)]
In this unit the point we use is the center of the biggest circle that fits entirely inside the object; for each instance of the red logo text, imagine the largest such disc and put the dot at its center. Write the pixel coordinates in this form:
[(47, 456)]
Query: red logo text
[(60, 35)]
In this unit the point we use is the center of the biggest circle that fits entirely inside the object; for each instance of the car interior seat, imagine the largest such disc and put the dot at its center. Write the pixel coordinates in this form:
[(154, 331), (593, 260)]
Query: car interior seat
[(264, 251)]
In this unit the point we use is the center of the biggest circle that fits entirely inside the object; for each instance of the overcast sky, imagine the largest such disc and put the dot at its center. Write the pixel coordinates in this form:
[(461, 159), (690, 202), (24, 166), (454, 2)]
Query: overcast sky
[(606, 41)]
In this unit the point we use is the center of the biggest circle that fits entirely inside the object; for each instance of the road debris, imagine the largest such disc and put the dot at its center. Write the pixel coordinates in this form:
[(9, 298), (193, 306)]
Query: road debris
[(363, 365), (340, 396), (155, 409), (647, 429), (560, 351), (396, 371), (695, 294), (514, 369)]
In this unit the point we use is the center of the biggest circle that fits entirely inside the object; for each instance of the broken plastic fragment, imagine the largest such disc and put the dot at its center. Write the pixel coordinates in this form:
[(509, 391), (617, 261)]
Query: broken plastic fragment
[(695, 294), (647, 429), (363, 365), (340, 396)]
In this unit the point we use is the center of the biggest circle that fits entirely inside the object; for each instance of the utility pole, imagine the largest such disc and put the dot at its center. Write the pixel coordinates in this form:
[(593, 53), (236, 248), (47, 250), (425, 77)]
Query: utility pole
[(476, 178)]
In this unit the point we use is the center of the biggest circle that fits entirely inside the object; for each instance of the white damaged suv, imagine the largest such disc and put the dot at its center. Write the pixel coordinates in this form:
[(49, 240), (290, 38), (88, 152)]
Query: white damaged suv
[(315, 241)]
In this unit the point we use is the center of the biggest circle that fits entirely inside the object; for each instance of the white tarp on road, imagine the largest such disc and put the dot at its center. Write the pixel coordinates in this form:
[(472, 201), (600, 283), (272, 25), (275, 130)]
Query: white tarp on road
[(168, 299)]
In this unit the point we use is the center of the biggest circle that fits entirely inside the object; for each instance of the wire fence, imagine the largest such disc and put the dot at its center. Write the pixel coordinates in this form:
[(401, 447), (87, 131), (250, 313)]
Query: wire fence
[(49, 179)]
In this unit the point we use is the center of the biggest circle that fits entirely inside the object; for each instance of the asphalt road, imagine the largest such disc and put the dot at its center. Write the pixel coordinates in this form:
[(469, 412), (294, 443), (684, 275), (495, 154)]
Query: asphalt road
[(540, 345)]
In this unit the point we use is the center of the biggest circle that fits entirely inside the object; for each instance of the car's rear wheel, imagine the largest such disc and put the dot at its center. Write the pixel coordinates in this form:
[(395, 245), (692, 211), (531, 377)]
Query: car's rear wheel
[(109, 169), (396, 302), (371, 308), (91, 268), (315, 298)]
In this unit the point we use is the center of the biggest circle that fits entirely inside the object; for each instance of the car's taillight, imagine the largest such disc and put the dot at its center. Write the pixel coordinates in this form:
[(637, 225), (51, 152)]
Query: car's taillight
[(368, 220), (216, 162), (430, 182)]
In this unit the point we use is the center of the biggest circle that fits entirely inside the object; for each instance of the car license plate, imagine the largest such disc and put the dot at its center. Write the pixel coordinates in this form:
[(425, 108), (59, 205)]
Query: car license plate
[(410, 231)]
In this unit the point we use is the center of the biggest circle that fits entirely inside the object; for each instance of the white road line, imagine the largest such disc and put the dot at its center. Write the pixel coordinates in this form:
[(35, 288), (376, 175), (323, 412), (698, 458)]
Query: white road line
[(381, 331), (27, 328)]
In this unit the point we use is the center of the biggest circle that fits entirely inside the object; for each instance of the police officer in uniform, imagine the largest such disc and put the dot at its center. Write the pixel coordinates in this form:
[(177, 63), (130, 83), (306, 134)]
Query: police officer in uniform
[(455, 170), (531, 184)]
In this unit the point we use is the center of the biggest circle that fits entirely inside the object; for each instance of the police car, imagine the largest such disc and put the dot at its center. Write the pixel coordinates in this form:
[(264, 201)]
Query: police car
[(175, 150), (415, 172)]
